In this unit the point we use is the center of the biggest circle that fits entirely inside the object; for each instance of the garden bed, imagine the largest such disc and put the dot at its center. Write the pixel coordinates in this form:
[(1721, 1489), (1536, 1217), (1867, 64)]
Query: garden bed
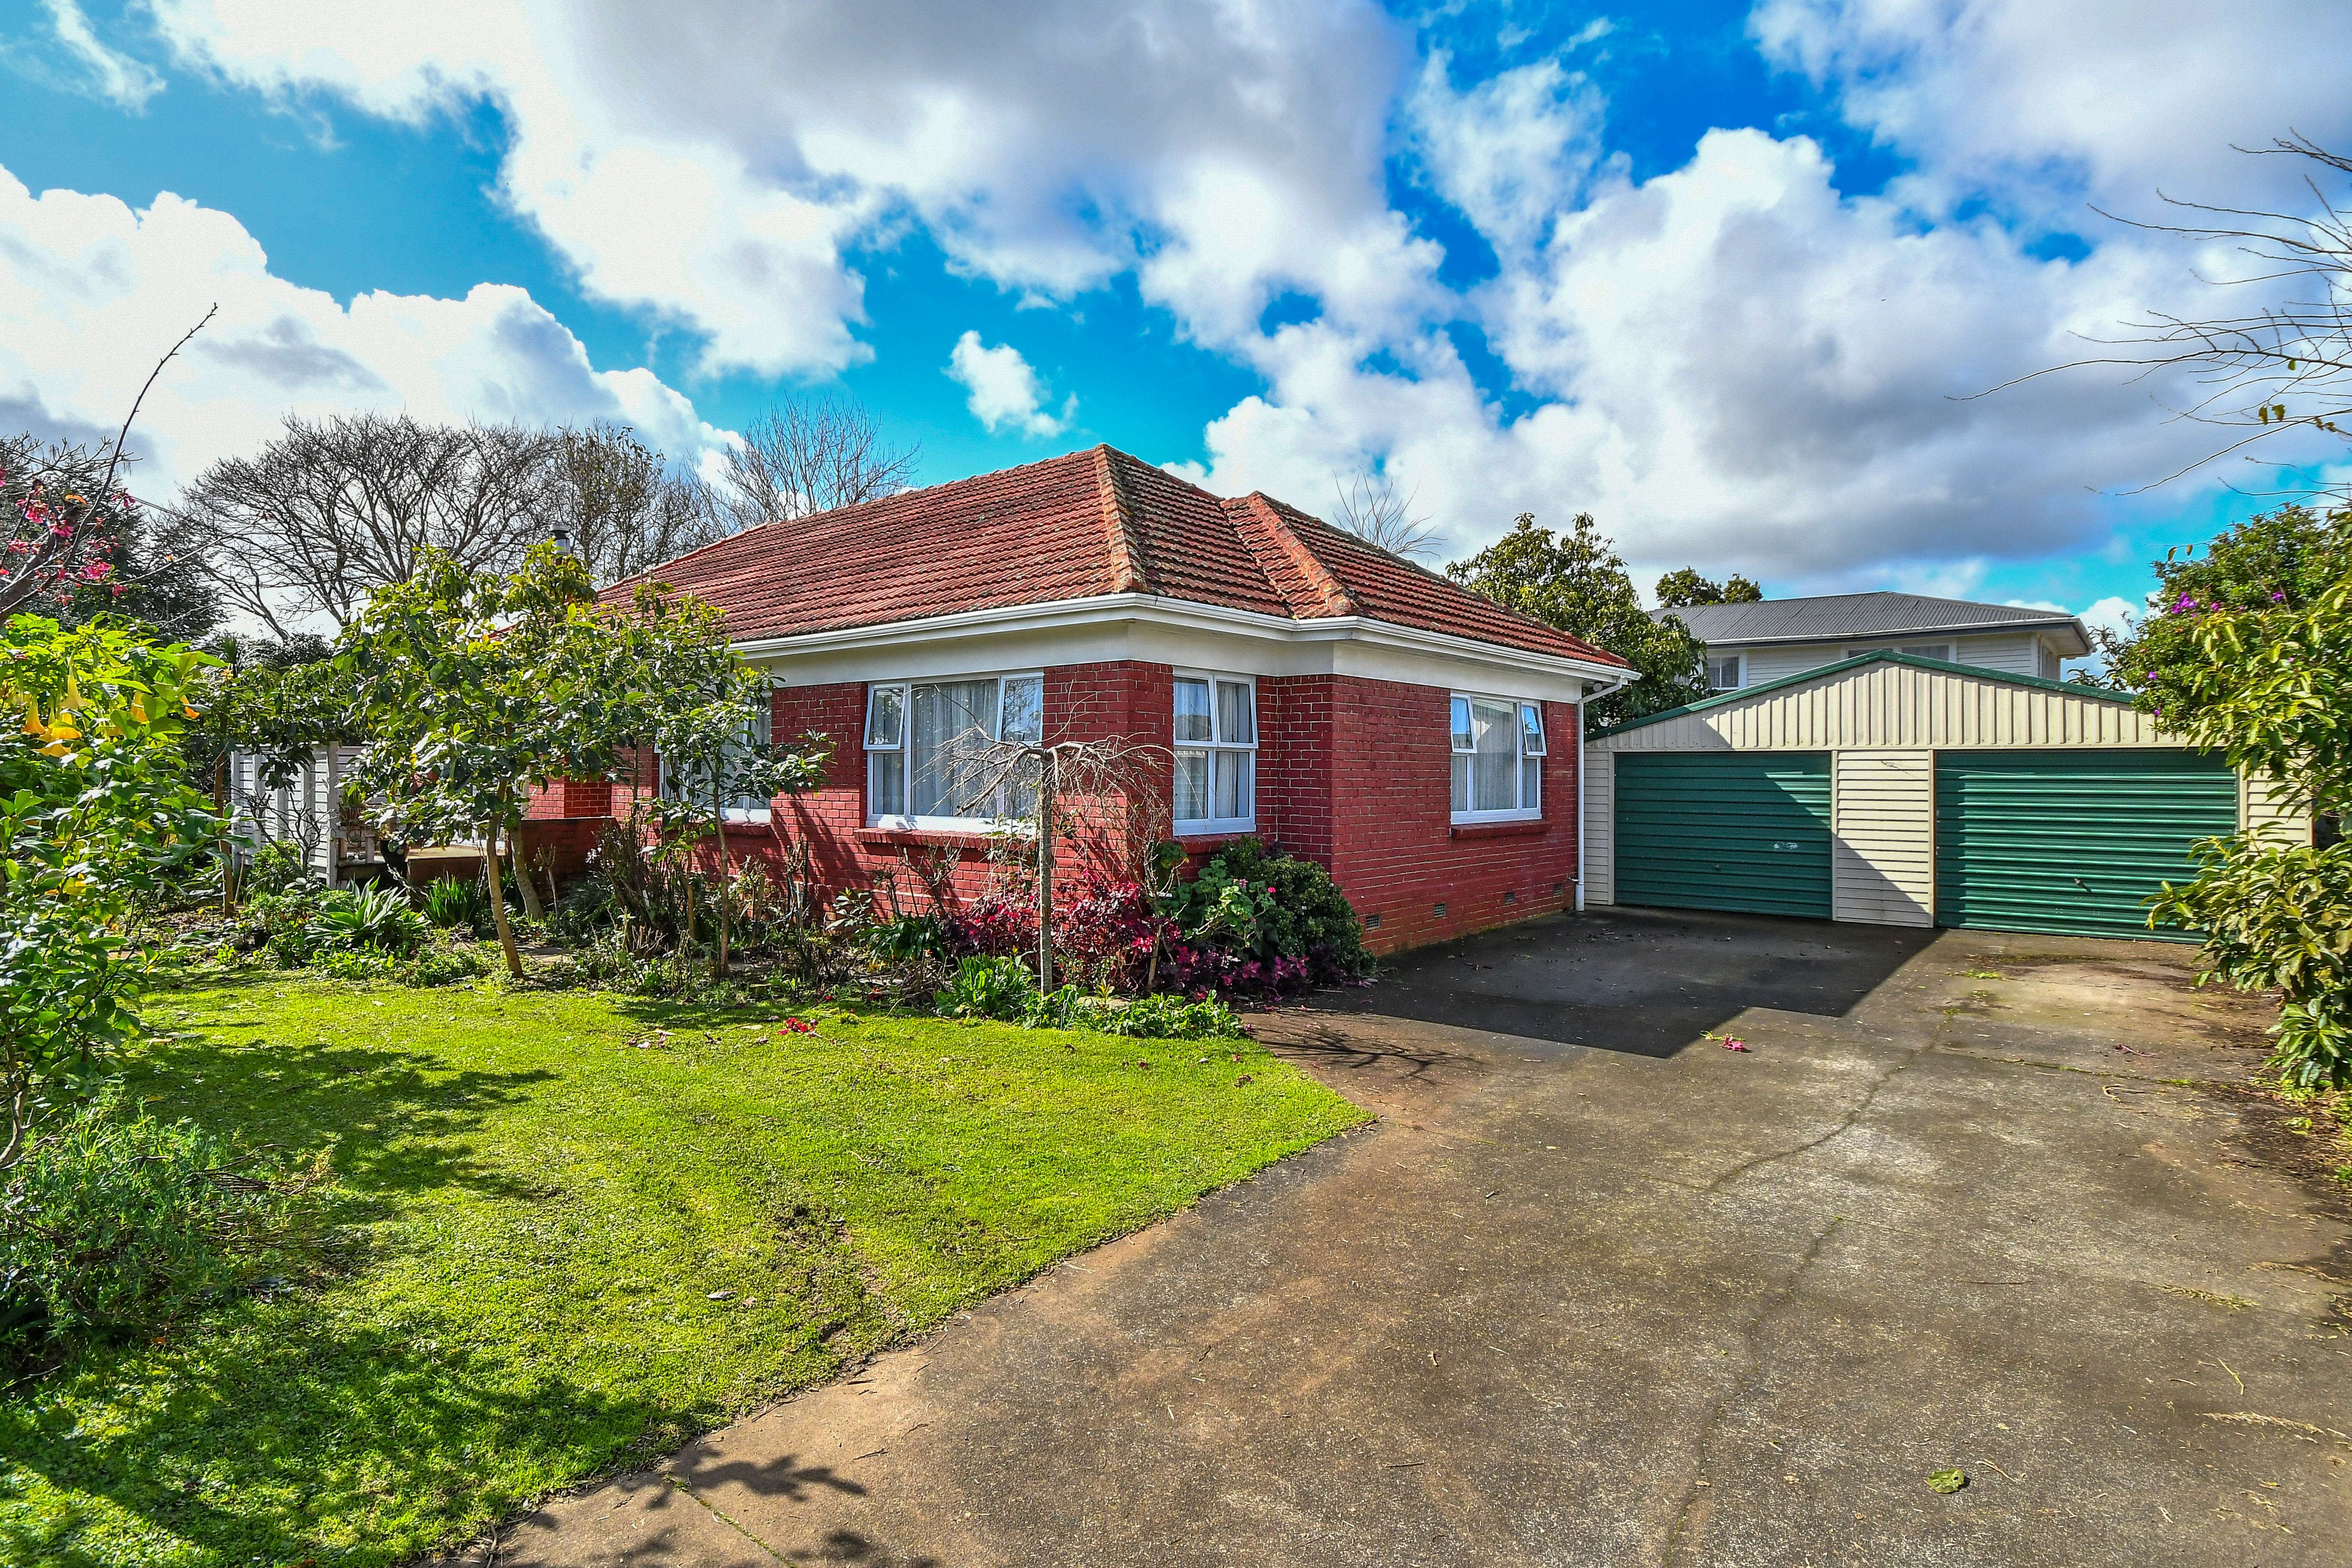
[(566, 1230)]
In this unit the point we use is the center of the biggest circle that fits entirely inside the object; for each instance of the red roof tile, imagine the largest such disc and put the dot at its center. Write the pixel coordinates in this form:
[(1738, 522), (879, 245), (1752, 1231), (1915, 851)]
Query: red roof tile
[(1090, 523)]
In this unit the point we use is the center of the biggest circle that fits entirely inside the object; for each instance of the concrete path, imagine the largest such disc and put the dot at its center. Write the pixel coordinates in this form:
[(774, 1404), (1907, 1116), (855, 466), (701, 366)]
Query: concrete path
[(1597, 1291)]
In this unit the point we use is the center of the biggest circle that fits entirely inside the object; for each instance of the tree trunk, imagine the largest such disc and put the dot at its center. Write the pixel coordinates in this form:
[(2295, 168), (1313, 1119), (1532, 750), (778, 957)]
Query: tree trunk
[(1045, 782), (499, 901), (524, 886), (726, 874)]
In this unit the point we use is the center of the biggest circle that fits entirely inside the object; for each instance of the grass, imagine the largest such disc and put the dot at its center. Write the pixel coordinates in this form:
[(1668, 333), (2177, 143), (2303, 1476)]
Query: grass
[(536, 1197)]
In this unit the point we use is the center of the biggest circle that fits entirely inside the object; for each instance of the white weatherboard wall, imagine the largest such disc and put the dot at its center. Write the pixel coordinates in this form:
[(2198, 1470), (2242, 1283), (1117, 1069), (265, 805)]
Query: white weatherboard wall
[(1883, 724), (1600, 825), (1883, 837)]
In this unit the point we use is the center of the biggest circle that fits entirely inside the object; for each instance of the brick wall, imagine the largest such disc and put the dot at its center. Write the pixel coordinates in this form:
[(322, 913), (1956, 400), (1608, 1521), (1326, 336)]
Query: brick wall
[(1395, 852), (1355, 773)]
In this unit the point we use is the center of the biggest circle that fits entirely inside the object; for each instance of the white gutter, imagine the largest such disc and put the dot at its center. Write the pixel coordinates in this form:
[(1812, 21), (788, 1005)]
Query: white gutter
[(1185, 613)]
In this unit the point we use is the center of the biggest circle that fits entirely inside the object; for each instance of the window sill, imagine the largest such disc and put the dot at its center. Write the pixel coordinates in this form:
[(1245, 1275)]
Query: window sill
[(926, 838), (1209, 840), (1533, 827)]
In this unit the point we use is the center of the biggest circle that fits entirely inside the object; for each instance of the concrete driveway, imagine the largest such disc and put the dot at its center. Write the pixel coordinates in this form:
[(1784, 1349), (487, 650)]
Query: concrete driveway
[(1597, 1291)]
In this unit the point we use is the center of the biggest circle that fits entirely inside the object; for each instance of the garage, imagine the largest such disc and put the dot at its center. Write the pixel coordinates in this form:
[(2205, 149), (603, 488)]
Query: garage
[(2070, 840), (1745, 831), (1892, 789)]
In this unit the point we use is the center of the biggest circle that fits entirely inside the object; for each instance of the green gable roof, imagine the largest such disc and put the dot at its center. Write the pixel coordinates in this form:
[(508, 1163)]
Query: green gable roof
[(1881, 655)]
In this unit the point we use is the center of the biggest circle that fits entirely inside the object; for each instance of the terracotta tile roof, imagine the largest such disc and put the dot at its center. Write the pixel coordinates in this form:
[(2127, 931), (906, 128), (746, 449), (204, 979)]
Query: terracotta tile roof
[(1076, 527)]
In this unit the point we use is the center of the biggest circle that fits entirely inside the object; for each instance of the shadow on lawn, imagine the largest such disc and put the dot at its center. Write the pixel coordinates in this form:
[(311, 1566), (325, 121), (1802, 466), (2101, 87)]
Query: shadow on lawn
[(396, 1116), (250, 1441)]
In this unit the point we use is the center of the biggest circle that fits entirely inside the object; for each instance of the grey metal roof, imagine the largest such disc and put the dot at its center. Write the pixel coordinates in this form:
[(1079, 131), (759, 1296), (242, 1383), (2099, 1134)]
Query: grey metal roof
[(1859, 615)]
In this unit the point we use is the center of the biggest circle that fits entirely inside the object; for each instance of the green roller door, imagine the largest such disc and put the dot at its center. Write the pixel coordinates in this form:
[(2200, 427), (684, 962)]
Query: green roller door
[(1725, 830), (2070, 841)]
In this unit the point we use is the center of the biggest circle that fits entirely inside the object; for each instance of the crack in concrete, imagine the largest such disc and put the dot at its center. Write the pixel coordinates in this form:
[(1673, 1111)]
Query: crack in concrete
[(1747, 1379), (719, 1514), (1845, 1125)]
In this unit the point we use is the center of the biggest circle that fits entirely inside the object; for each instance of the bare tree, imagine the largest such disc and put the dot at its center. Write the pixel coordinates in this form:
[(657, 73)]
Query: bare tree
[(337, 506), (806, 456), (1371, 508), (623, 510), (2283, 366)]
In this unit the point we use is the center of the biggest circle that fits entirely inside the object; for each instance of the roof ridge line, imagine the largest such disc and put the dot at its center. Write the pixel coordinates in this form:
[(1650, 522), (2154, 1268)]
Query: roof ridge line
[(1128, 561), (1337, 600)]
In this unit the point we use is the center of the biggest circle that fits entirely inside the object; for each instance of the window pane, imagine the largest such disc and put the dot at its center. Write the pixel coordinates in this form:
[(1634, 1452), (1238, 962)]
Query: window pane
[(1191, 786), (953, 723), (1020, 796), (1192, 711), (1531, 736), (1942, 650), (886, 717), (1024, 709), (1237, 725), (1461, 783), (1723, 674), (1228, 802), (1531, 783), (1462, 723), (885, 783), (1494, 769)]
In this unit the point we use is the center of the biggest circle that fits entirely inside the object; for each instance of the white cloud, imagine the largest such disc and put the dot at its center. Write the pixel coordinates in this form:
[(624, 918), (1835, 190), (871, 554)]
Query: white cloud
[(1732, 362), (111, 75), (2045, 105), (1510, 152), (712, 167), (88, 270), (1003, 388)]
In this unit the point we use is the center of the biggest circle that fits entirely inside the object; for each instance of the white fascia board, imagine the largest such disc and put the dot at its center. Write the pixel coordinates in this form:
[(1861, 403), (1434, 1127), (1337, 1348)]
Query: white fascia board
[(1182, 613)]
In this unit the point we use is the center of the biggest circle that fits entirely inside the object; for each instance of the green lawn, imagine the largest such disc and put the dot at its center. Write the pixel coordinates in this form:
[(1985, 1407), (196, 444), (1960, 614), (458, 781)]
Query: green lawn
[(533, 1214)]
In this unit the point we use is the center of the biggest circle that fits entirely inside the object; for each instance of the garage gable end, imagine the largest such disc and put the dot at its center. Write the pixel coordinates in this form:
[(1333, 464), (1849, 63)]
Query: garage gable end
[(1888, 699)]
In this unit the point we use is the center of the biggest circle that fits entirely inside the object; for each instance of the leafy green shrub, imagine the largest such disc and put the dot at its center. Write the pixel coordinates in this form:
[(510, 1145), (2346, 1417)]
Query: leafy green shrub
[(454, 902), (1166, 1018), (999, 988), (277, 867), (1255, 921), (2278, 919), (114, 1222), (374, 918)]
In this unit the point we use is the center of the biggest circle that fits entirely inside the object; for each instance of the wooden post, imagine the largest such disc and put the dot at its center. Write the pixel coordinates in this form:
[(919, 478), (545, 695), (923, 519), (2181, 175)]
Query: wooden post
[(726, 869), (1045, 785)]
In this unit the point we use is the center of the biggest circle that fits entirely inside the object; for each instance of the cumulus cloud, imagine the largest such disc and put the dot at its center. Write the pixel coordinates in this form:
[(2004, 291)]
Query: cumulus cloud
[(1004, 389), (90, 270), (1734, 362), (106, 72), (2045, 106), (714, 166)]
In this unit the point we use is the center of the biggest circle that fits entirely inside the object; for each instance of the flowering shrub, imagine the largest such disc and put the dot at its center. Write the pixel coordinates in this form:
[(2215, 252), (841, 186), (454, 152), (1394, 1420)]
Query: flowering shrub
[(1255, 924), (990, 926)]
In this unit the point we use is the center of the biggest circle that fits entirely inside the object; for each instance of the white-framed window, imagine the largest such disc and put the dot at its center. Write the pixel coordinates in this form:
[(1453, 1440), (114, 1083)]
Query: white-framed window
[(1724, 672), (1942, 650), (692, 786), (1216, 754), (927, 745), (1499, 751)]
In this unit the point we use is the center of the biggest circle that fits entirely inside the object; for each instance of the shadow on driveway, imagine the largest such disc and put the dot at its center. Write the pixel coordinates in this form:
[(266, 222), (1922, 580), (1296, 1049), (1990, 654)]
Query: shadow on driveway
[(1648, 981)]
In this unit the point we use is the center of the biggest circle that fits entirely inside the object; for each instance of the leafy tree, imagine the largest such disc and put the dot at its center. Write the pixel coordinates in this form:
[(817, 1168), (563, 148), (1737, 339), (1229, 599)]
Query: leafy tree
[(2288, 557), (2270, 688), (1577, 582), (475, 687), (1677, 589), (708, 716), (95, 812)]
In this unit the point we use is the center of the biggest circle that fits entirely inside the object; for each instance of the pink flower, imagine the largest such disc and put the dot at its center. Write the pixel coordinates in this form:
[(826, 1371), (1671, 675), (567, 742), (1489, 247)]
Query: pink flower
[(1734, 1042), (799, 1026), (2278, 598)]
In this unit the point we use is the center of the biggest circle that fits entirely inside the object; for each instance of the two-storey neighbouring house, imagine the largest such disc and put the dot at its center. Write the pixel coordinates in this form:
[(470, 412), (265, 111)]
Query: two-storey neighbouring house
[(1747, 644)]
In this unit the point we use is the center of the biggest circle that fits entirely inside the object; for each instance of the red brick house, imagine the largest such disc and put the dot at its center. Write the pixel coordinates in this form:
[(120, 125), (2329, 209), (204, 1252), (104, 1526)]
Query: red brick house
[(1294, 681)]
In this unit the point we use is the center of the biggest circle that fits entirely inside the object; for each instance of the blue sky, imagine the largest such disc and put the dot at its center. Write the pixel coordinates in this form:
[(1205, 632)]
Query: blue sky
[(1715, 272)]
